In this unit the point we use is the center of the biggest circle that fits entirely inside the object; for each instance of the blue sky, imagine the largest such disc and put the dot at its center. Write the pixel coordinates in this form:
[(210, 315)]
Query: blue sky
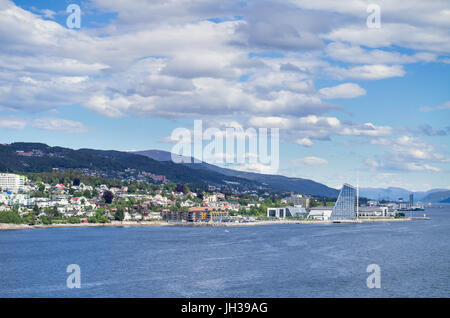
[(345, 97)]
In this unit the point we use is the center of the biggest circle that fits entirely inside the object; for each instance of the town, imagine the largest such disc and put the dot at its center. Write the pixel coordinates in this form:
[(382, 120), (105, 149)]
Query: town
[(73, 197)]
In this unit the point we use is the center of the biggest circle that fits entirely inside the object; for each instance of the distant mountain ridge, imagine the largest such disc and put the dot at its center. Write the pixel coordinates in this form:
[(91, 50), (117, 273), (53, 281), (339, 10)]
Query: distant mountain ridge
[(298, 184), (393, 193), (278, 182), (38, 157), (438, 197)]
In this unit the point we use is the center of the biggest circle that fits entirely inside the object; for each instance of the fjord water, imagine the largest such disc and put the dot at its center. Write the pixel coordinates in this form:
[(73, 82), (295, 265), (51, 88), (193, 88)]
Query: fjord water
[(251, 261)]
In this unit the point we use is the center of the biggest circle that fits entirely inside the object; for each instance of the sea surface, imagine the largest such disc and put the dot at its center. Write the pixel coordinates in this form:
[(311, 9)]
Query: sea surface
[(253, 261)]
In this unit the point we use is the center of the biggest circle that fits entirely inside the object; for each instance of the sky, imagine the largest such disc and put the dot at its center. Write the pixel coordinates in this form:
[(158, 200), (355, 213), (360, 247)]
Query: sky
[(353, 100)]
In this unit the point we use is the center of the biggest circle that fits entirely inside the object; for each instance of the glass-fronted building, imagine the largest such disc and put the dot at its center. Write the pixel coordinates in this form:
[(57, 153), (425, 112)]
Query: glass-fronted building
[(287, 211), (345, 207)]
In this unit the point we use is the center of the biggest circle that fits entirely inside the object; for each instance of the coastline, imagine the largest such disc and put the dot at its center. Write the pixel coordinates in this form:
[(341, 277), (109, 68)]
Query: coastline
[(8, 226)]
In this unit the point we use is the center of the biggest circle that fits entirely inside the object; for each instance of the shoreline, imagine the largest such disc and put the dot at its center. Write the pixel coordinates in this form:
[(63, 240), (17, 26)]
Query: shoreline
[(278, 222), (8, 226)]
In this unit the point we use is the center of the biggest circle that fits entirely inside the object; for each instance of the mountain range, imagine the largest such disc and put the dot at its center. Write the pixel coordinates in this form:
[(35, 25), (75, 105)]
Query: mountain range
[(278, 182), (304, 185), (38, 157), (392, 193)]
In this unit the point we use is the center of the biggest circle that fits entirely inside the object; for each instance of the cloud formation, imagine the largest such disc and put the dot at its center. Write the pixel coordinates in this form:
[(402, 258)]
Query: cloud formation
[(255, 63)]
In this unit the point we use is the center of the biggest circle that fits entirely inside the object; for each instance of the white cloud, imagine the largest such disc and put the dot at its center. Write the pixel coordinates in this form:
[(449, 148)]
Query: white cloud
[(372, 163), (182, 65), (316, 127), (346, 90), (12, 123), (59, 125), (111, 107), (293, 122), (312, 161), (381, 141), (367, 129), (305, 142), (395, 165), (443, 106), (44, 123), (255, 167), (429, 38), (367, 72), (357, 55), (407, 153)]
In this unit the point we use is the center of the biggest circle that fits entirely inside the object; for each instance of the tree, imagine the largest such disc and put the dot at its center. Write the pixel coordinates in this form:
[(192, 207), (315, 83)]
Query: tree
[(170, 186), (179, 187), (132, 188), (33, 214), (95, 193), (100, 216), (87, 194), (53, 212), (108, 196), (46, 220), (119, 215), (10, 217), (76, 182)]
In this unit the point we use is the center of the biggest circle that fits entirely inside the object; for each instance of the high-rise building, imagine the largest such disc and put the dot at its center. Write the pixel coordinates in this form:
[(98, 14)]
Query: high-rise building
[(11, 182), (345, 207), (411, 199)]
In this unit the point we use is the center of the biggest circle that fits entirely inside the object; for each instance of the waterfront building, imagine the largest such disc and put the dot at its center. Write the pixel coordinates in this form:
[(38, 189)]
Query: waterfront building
[(368, 211), (196, 214), (11, 182), (322, 213), (283, 212), (168, 215), (345, 207), (205, 214)]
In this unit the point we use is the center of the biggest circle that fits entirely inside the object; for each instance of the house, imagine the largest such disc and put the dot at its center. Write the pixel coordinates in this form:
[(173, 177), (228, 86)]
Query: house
[(127, 217), (153, 216)]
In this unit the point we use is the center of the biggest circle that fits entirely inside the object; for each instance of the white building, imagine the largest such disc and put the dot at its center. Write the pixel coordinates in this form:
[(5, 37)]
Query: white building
[(320, 213), (11, 182), (283, 212), (368, 211)]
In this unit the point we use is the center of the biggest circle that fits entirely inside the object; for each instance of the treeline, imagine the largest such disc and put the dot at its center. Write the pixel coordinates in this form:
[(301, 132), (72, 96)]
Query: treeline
[(71, 176), (106, 161), (11, 216)]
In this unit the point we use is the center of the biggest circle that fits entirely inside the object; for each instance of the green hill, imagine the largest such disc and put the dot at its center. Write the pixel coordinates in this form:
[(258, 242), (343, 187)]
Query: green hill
[(44, 158), (37, 157), (277, 182)]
